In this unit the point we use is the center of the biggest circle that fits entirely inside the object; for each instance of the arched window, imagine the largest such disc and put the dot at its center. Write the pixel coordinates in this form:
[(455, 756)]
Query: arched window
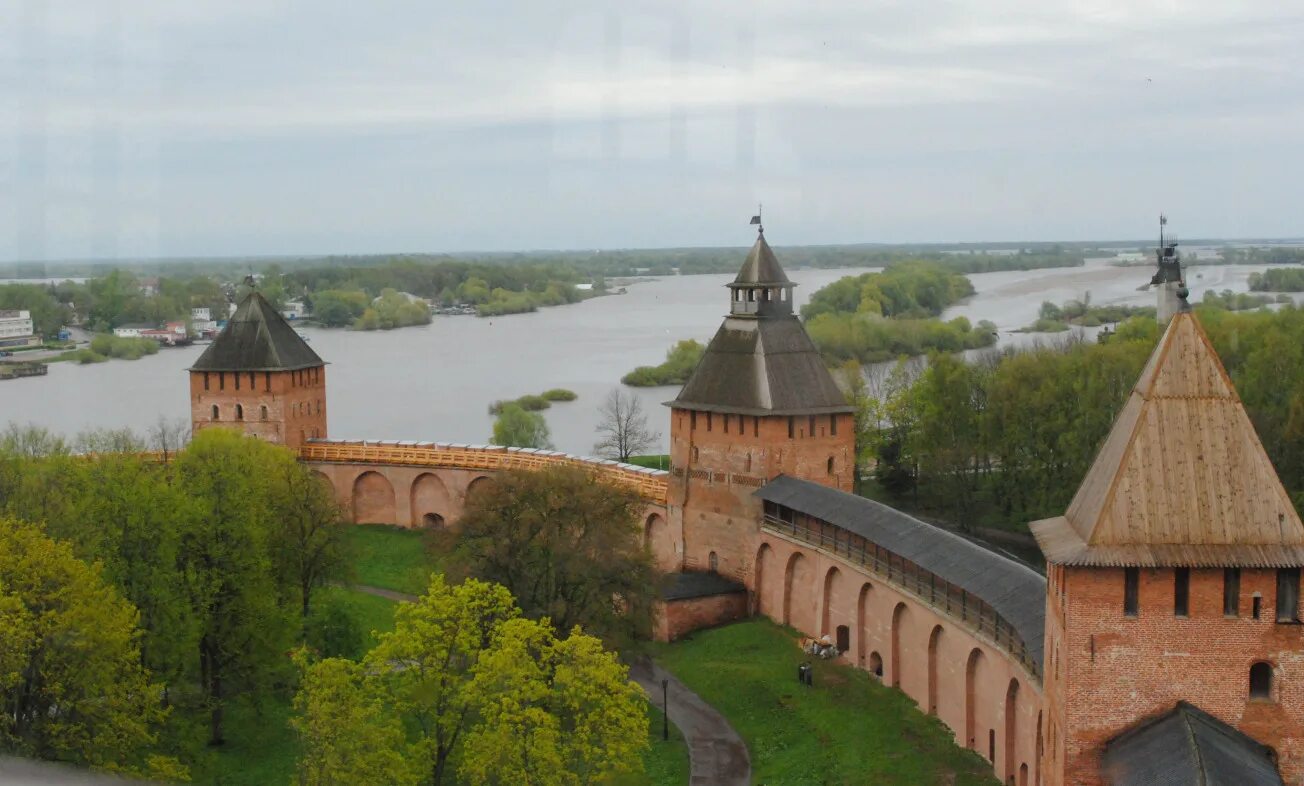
[(714, 561), (239, 410), (262, 412), (216, 416), (694, 455), (830, 465), (1261, 681)]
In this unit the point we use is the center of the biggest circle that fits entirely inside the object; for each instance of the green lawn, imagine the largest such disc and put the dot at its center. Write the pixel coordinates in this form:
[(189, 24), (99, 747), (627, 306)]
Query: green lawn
[(651, 462), (391, 557), (848, 729), (666, 762)]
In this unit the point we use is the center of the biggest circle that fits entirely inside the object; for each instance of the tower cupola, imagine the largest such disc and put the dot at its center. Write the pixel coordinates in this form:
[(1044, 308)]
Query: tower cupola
[(761, 287)]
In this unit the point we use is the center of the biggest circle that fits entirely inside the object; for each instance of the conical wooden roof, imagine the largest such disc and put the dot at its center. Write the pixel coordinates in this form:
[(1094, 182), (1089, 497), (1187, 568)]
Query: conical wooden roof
[(1182, 478), (257, 338), (761, 265)]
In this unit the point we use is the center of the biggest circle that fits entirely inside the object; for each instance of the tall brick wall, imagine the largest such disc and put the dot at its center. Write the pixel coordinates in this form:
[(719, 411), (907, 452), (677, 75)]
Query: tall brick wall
[(1106, 671), (718, 461), (295, 403)]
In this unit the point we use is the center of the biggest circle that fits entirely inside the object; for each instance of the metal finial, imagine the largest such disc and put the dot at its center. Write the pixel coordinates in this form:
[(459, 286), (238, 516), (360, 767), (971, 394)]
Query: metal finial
[(756, 219)]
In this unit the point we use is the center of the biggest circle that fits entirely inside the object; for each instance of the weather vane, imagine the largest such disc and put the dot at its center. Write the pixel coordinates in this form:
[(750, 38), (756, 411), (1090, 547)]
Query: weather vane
[(756, 220)]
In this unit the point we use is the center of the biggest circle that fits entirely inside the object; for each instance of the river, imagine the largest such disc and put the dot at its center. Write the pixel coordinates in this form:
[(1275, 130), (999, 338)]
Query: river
[(435, 382)]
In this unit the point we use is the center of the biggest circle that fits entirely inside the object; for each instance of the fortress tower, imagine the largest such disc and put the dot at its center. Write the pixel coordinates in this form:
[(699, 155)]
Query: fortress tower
[(760, 404), (1174, 577), (261, 377)]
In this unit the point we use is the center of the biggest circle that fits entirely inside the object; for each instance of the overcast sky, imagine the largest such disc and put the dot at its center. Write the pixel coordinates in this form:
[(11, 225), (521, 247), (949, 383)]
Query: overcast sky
[(142, 128)]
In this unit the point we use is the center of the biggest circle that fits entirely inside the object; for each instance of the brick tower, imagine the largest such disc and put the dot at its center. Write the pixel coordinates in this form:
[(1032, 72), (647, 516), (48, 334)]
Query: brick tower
[(760, 404), (1174, 576), (259, 376)]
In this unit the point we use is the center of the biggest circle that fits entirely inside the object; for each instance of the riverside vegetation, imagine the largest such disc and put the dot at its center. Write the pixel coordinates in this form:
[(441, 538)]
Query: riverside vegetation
[(1006, 440)]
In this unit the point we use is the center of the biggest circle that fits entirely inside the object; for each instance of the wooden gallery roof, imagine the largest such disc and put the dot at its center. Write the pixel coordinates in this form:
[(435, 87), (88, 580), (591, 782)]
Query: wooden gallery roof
[(1182, 478)]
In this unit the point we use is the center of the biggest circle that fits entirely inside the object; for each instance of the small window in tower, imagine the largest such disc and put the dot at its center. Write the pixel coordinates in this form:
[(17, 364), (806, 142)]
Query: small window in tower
[(262, 412), (216, 414), (221, 380), (810, 426), (991, 744), (1256, 605), (205, 380), (1287, 594), (267, 381), (833, 425), (714, 562), (1181, 591), (694, 455), (237, 379), (239, 410), (1231, 592), (756, 426), (253, 385), (792, 426), (749, 463), (726, 423), (318, 406), (830, 465), (692, 420), (751, 296), (1131, 578), (1261, 681), (708, 421)]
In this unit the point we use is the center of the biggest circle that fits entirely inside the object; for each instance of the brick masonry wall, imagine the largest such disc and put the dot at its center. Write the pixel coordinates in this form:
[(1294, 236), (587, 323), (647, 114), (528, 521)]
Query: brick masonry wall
[(295, 403), (1114, 670), (678, 617), (922, 651), (719, 461)]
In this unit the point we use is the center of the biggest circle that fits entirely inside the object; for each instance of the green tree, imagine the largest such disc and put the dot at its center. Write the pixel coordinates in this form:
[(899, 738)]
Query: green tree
[(424, 667), (311, 546), (336, 308), (227, 566), (566, 544), (552, 712), (72, 686), (348, 736), (516, 427)]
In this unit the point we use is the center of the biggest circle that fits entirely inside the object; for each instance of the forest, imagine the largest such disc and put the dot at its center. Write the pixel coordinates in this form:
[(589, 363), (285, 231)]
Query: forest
[(1006, 440), (878, 316), (1281, 279)]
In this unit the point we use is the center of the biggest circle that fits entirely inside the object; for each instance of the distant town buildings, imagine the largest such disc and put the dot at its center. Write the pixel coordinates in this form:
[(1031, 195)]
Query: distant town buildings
[(17, 330), (294, 309)]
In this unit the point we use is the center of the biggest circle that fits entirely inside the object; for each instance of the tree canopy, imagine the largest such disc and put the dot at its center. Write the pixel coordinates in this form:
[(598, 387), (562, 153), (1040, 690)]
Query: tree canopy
[(566, 544), (517, 427), (463, 685), (72, 686)]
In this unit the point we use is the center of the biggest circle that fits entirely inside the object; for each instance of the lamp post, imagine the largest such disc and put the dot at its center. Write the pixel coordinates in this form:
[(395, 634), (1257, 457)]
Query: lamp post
[(665, 709)]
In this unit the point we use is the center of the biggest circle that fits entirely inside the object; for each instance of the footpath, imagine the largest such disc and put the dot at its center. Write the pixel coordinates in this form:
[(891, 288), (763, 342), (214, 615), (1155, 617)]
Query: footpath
[(716, 753)]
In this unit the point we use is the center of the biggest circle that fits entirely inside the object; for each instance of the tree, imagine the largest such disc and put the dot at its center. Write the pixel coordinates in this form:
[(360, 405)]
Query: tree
[(516, 427), (567, 545), (169, 435), (311, 546), (623, 427), (423, 668), (71, 682), (464, 685), (348, 735), (227, 569), (552, 712)]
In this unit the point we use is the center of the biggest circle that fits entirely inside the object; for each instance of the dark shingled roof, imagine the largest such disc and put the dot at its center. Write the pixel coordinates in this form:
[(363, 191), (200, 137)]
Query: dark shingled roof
[(684, 586), (765, 366), (257, 338), (1187, 747), (1014, 590), (761, 266)]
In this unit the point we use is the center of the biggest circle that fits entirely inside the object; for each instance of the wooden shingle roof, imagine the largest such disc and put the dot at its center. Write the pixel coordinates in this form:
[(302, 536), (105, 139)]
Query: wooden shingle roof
[(1182, 478), (1187, 747), (257, 338)]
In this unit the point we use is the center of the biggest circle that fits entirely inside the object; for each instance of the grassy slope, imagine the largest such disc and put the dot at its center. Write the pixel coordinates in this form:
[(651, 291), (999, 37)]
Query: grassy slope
[(391, 557), (665, 763), (848, 729)]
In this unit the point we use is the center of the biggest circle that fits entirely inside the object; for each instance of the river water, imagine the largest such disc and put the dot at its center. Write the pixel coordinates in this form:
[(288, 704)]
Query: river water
[(435, 382)]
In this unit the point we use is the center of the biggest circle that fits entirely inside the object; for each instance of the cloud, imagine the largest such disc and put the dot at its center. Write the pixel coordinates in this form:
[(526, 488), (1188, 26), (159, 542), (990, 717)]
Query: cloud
[(126, 126)]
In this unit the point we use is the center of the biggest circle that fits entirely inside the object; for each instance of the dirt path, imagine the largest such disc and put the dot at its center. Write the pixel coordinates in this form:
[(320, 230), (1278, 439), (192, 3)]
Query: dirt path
[(716, 752), (383, 593)]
